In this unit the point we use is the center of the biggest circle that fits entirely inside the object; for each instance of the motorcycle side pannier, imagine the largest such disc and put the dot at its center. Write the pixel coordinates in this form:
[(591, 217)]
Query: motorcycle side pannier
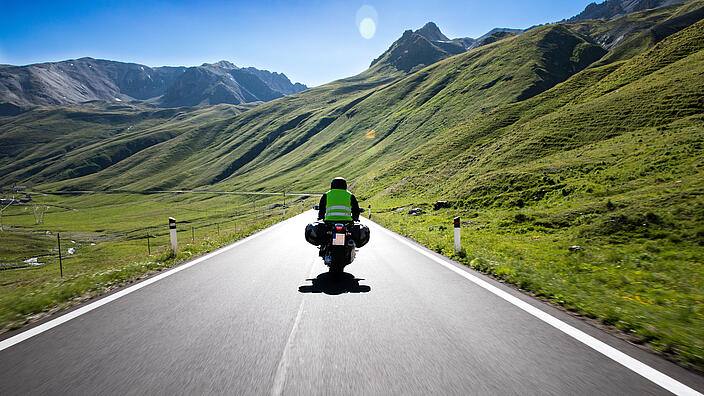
[(315, 233), (360, 234)]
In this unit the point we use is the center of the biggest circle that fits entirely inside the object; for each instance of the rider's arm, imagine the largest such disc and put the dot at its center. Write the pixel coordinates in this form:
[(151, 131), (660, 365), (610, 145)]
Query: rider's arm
[(321, 207), (355, 208)]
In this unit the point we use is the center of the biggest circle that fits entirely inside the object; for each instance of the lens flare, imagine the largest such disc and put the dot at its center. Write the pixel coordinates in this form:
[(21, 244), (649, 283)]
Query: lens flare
[(367, 28), (367, 20)]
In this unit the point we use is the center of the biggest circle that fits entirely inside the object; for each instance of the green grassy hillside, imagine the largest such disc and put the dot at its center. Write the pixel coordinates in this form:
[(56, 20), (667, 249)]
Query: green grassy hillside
[(656, 88), (49, 144), (610, 161), (313, 133), (328, 129)]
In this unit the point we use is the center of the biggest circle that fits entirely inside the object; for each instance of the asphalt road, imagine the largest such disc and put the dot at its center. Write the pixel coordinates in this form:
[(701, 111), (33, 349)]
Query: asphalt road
[(263, 318)]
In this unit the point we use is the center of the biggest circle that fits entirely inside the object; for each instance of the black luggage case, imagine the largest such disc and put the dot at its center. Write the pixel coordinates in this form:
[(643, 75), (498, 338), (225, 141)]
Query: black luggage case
[(360, 234), (315, 233)]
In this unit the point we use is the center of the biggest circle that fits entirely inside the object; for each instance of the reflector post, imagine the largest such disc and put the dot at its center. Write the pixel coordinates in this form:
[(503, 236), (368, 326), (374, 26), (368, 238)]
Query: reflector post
[(458, 242)]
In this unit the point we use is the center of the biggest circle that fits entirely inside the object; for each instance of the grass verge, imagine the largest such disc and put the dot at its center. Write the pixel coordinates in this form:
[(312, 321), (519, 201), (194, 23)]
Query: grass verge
[(649, 289)]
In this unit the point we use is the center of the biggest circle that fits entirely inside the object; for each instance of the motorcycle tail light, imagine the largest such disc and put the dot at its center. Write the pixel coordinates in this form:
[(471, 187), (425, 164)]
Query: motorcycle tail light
[(339, 228)]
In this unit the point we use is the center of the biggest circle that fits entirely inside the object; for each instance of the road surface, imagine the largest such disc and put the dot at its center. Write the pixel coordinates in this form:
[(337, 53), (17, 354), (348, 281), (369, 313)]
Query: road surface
[(262, 317)]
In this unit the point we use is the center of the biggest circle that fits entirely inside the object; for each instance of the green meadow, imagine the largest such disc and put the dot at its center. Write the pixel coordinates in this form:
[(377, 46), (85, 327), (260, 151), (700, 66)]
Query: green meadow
[(108, 237)]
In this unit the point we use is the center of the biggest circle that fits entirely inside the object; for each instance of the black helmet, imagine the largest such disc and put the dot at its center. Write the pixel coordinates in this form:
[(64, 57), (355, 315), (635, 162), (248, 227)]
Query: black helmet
[(338, 183)]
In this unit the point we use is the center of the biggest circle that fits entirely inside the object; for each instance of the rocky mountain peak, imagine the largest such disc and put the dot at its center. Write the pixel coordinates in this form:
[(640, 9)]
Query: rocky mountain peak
[(431, 32), (427, 45), (223, 64)]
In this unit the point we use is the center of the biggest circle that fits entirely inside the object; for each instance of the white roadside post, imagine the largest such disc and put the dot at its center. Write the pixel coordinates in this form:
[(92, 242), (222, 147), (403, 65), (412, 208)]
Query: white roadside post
[(370, 212), (458, 243), (172, 233)]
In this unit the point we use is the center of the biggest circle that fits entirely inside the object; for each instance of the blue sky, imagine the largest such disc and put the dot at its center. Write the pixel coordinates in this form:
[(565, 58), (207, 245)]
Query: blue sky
[(312, 42)]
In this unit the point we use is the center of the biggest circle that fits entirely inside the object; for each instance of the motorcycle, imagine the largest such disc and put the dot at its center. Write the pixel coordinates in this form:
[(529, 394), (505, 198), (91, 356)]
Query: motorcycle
[(338, 242)]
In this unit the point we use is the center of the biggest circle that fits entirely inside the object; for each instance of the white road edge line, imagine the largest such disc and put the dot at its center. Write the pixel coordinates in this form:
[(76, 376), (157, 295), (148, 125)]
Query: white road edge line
[(85, 309), (634, 365)]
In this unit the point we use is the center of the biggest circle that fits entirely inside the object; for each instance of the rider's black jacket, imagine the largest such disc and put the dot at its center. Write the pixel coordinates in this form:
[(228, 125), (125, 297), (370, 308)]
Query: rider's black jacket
[(323, 203)]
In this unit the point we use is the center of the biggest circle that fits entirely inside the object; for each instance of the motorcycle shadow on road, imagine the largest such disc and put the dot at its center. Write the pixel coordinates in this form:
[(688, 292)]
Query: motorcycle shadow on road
[(335, 284)]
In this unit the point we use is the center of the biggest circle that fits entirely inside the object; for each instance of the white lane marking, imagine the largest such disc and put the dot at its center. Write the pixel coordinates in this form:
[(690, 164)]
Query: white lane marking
[(634, 365), (85, 309), (282, 369)]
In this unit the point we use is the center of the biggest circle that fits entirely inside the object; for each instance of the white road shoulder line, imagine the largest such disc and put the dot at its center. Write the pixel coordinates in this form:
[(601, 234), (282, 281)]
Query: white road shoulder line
[(85, 309), (634, 365)]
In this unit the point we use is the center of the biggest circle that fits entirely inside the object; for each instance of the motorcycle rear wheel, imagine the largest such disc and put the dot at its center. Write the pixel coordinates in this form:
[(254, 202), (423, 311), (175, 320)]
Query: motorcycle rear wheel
[(336, 269)]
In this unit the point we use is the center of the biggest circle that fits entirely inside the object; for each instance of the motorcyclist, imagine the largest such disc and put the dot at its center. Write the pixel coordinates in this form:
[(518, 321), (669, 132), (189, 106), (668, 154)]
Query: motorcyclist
[(338, 204)]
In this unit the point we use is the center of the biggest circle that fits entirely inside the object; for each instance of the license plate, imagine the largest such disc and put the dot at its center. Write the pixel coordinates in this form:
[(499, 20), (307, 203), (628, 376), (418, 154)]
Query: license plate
[(338, 239)]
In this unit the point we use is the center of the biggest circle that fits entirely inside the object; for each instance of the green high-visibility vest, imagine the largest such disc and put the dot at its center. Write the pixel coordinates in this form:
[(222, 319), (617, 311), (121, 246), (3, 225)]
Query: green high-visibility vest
[(338, 205)]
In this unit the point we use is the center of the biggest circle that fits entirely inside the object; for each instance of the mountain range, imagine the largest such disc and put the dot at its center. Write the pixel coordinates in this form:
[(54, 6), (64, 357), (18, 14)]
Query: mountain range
[(93, 147), (86, 79)]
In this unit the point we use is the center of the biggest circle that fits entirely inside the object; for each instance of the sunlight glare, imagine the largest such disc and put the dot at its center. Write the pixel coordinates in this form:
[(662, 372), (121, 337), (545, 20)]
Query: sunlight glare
[(367, 19), (367, 28)]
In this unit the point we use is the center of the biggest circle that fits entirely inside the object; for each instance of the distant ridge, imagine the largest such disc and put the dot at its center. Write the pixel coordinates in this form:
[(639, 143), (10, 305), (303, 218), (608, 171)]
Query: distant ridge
[(87, 79), (615, 8)]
